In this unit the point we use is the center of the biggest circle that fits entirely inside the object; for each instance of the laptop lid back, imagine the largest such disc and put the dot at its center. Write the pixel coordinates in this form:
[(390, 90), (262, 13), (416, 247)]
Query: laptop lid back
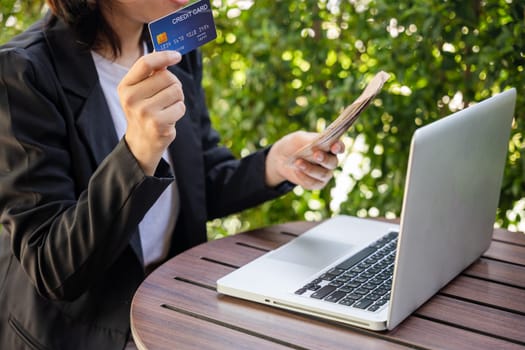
[(452, 192)]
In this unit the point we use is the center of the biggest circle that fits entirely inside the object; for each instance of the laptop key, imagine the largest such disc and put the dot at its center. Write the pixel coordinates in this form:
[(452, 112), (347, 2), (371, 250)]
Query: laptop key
[(343, 279), (347, 302), (354, 259), (321, 293), (360, 279), (374, 296), (314, 287), (369, 285), (354, 297), (353, 284), (335, 296), (363, 303), (328, 277), (362, 291), (336, 283), (381, 302), (374, 308), (336, 271), (346, 289), (367, 274), (301, 291)]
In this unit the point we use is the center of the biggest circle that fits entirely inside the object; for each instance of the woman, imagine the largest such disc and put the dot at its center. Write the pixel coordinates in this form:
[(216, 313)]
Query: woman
[(108, 167)]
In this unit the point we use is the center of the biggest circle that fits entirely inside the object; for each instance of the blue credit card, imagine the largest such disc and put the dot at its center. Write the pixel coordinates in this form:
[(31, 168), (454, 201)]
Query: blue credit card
[(185, 29)]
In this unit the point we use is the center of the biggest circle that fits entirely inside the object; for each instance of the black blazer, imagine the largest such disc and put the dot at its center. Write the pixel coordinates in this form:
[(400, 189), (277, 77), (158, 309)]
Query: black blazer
[(72, 194)]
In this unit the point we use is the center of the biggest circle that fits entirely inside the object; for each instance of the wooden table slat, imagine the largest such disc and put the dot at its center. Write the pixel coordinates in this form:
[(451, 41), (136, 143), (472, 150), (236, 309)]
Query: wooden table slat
[(509, 237), (497, 271), (203, 272), (227, 252), (296, 227), (487, 293), (511, 253), (473, 316), (444, 337)]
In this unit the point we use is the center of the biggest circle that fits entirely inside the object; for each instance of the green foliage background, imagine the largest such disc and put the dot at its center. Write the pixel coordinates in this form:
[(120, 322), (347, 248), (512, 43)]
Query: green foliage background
[(282, 65)]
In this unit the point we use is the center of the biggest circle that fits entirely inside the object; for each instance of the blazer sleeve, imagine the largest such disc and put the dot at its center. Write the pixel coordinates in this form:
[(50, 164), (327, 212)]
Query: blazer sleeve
[(232, 184), (63, 239)]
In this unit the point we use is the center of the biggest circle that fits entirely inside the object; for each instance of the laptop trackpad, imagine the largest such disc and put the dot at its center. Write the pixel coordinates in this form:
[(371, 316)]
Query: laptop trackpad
[(317, 253)]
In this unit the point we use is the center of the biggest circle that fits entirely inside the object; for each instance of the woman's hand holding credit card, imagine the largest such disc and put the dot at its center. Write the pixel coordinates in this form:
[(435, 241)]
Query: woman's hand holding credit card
[(185, 29)]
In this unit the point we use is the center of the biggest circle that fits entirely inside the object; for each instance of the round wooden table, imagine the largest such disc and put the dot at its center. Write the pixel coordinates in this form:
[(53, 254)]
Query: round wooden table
[(177, 306)]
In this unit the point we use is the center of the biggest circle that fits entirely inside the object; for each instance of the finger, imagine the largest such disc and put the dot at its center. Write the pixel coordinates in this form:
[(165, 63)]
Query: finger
[(314, 171), (166, 97), (166, 120), (338, 147), (326, 159), (157, 82), (173, 113), (149, 64), (308, 182)]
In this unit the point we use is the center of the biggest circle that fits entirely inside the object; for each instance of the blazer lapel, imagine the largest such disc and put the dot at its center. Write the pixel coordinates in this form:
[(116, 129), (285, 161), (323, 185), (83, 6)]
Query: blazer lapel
[(94, 123), (86, 99), (83, 91)]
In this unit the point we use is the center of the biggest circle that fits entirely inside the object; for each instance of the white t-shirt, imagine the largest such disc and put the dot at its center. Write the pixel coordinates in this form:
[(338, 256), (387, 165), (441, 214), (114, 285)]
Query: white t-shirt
[(156, 226)]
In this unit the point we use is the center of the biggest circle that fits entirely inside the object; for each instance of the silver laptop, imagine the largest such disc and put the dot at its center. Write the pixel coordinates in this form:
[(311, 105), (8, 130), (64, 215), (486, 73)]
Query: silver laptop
[(374, 274)]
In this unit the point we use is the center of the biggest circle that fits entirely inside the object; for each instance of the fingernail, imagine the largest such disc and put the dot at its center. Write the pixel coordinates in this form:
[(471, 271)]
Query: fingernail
[(319, 157), (300, 165), (175, 55)]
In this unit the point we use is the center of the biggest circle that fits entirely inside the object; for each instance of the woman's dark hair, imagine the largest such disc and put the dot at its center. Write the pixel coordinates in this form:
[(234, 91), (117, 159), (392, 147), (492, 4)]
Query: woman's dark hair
[(88, 23)]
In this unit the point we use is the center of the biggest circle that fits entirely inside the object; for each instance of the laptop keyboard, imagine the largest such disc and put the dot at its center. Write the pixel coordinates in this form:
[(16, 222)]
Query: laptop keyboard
[(363, 281)]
